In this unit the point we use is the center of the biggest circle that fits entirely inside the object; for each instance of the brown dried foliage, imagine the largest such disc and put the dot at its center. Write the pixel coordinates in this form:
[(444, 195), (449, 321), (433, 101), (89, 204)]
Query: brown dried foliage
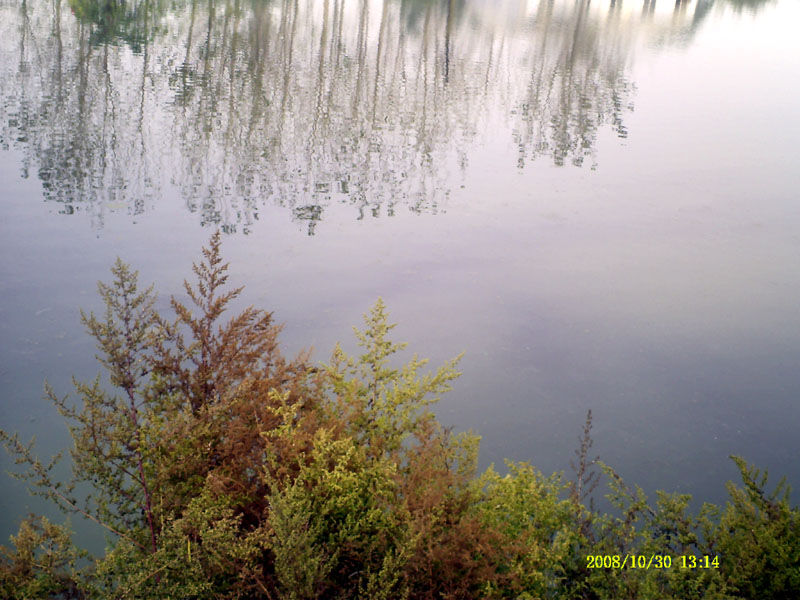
[(228, 375)]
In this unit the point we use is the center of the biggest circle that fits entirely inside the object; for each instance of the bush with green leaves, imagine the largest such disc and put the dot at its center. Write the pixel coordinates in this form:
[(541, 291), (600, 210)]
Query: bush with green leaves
[(42, 564)]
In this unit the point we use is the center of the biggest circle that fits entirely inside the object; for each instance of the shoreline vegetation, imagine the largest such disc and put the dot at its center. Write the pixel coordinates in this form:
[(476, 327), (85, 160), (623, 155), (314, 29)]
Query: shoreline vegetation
[(222, 469)]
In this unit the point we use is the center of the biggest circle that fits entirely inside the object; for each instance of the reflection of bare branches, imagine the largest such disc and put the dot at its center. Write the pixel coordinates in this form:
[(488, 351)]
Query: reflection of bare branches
[(328, 132), (301, 103), (65, 112), (577, 83)]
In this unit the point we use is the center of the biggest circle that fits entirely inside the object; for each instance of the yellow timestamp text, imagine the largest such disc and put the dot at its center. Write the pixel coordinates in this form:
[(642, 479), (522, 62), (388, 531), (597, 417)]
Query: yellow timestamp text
[(651, 561)]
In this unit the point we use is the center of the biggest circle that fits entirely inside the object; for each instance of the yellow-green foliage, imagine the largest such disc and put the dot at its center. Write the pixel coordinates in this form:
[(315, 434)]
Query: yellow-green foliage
[(385, 406), (759, 536), (200, 554), (339, 529), (538, 525), (42, 564)]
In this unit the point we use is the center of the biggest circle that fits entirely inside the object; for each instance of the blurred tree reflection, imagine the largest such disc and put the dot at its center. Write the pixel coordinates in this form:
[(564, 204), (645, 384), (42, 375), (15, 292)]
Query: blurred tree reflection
[(750, 5), (299, 103), (133, 22)]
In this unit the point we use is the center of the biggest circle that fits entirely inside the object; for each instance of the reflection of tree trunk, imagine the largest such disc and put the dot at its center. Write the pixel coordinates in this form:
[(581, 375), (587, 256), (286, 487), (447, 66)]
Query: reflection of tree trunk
[(336, 51), (568, 84), (542, 78), (362, 53), (422, 67), (21, 68), (107, 105), (288, 50), (380, 53), (23, 9), (59, 49), (139, 202), (399, 71), (260, 55), (437, 73), (82, 130), (323, 43), (144, 77), (207, 74), (447, 33), (186, 63), (701, 10), (230, 145), (336, 47)]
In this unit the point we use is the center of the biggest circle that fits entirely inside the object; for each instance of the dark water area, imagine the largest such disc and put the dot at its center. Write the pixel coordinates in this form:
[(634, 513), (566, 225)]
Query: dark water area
[(599, 203)]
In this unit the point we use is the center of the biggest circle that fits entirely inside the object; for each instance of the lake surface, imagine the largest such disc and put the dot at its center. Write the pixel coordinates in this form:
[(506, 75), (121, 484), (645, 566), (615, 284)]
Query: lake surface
[(598, 203)]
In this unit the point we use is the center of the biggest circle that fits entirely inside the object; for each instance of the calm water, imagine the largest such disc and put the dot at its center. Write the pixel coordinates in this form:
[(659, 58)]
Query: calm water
[(599, 203)]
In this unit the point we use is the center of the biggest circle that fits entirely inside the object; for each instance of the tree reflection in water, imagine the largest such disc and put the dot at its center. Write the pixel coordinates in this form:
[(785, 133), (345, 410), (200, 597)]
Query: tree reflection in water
[(303, 103)]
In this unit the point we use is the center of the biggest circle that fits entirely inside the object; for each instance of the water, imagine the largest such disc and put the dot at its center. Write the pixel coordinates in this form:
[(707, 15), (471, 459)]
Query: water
[(598, 203)]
